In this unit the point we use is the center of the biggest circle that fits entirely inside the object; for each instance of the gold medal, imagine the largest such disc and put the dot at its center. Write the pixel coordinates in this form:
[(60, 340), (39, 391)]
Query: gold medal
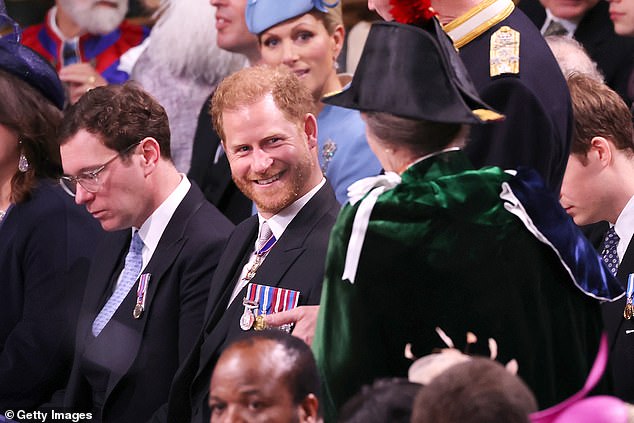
[(629, 311), (260, 323), (138, 311)]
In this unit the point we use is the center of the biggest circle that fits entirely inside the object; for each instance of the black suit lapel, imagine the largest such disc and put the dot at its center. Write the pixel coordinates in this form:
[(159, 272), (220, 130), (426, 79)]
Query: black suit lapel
[(106, 267), (167, 250), (236, 255)]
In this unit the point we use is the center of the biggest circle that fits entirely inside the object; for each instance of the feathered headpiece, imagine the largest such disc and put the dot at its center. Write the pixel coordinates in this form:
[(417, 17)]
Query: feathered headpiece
[(412, 12)]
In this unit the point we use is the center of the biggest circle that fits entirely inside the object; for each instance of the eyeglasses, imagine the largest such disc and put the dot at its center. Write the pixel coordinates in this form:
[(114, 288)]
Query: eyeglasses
[(89, 180)]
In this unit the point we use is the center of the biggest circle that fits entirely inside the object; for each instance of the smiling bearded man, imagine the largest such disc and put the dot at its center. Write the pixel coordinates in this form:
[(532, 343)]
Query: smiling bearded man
[(273, 261)]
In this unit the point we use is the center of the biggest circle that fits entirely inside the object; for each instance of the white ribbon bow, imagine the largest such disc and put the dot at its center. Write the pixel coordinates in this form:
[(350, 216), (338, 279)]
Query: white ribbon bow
[(376, 186)]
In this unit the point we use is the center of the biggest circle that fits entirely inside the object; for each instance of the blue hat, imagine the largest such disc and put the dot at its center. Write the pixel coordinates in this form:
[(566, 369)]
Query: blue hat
[(28, 65), (263, 14)]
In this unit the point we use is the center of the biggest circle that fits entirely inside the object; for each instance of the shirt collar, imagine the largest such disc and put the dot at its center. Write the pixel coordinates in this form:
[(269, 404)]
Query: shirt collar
[(152, 229), (624, 228), (281, 220), (570, 25), (52, 23), (477, 20)]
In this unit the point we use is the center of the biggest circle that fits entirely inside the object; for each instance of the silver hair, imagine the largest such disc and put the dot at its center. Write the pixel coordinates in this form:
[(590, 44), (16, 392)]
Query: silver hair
[(572, 57)]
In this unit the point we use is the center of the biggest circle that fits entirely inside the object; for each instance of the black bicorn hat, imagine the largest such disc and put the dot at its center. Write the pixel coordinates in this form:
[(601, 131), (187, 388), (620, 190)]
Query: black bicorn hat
[(416, 73), (26, 64)]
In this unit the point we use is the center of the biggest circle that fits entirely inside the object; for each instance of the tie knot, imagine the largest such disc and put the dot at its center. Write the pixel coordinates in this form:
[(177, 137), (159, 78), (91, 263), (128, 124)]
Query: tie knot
[(265, 235), (611, 237), (555, 28), (136, 245)]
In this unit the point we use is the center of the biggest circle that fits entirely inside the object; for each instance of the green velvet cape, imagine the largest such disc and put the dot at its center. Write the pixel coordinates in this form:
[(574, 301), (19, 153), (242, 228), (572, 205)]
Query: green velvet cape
[(441, 250)]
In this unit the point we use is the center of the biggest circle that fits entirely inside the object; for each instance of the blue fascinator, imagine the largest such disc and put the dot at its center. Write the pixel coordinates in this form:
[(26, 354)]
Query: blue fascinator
[(263, 14), (25, 63)]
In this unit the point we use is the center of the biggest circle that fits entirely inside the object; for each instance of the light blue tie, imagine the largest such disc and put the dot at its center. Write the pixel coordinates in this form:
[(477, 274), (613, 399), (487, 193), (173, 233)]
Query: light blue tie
[(131, 271)]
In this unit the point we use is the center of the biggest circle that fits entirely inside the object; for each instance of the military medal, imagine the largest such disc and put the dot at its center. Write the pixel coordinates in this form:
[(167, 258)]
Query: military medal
[(138, 311), (629, 308), (141, 293), (259, 257), (247, 318), (260, 323), (261, 300)]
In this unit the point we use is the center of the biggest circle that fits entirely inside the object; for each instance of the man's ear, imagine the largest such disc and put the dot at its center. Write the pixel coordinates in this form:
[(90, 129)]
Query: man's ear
[(310, 129), (601, 151), (151, 152), (309, 409)]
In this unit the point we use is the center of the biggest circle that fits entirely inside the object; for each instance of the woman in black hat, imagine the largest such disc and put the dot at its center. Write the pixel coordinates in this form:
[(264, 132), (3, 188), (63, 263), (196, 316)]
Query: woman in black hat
[(45, 239), (437, 243)]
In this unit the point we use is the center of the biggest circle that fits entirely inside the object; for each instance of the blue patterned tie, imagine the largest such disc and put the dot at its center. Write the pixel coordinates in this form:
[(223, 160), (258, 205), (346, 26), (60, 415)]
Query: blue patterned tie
[(609, 254), (131, 271)]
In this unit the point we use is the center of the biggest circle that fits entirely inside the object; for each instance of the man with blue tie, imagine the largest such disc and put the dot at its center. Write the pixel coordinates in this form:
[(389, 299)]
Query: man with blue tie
[(598, 186), (147, 288)]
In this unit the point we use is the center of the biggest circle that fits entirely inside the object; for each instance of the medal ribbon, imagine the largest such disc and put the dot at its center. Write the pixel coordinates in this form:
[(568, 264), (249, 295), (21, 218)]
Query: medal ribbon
[(141, 290), (271, 299), (267, 246)]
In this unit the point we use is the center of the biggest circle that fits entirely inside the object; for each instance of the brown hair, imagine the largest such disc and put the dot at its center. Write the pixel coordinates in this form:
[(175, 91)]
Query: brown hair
[(120, 116), (250, 85), (598, 112), (34, 119), (420, 137), (477, 391)]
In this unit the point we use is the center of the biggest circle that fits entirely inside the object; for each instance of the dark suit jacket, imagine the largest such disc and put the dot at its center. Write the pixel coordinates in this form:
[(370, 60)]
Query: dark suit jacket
[(621, 343), (536, 102), (46, 244), (138, 357), (214, 178), (613, 54), (295, 262)]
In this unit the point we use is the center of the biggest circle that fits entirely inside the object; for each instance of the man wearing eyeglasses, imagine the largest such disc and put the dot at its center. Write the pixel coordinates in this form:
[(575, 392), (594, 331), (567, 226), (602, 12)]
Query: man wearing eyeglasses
[(147, 288)]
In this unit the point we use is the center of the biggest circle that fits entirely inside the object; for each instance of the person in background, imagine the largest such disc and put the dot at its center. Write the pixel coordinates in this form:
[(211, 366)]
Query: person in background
[(85, 41), (622, 16), (386, 400), (180, 66), (308, 38), (514, 71), (46, 241), (572, 57), (477, 391), (209, 165), (279, 373), (588, 21), (146, 293)]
